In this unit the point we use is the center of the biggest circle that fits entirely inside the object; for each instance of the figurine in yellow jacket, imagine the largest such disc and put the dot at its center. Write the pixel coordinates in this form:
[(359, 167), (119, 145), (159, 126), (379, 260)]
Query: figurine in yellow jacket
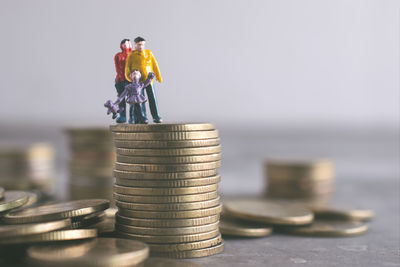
[(143, 60)]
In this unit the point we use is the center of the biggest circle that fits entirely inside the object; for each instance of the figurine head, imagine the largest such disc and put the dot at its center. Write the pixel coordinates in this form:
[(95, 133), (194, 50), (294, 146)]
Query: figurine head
[(139, 43), (126, 45), (135, 75)]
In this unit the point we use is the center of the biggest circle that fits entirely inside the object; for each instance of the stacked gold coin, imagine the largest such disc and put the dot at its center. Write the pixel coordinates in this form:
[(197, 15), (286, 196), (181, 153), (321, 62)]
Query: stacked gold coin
[(27, 167), (166, 187), (306, 179), (91, 162)]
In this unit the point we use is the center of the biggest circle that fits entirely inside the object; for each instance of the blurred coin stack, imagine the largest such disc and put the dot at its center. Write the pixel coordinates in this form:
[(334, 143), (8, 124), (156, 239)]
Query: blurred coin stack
[(91, 163), (311, 180), (27, 167), (166, 187)]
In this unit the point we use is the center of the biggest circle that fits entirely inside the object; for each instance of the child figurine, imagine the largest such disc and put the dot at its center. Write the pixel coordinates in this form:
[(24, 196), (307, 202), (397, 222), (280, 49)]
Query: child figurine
[(134, 97)]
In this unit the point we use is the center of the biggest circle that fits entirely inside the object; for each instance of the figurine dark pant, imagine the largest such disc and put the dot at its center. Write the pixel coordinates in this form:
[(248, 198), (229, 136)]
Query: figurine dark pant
[(120, 86), (135, 113), (151, 96)]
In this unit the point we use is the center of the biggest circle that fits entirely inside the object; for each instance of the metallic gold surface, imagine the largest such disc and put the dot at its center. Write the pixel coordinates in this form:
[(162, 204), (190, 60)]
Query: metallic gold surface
[(20, 230), (174, 191), (166, 136), (12, 200), (169, 183), (168, 159), (171, 214), (234, 227), (164, 175), (185, 246), (169, 206), (169, 152), (61, 235), (167, 144), (340, 213), (167, 167), (167, 231), (166, 199)]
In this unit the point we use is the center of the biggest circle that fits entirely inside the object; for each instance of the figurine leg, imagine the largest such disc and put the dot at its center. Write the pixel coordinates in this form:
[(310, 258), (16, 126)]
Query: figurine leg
[(139, 114), (143, 112), (132, 116), (153, 103), (120, 86)]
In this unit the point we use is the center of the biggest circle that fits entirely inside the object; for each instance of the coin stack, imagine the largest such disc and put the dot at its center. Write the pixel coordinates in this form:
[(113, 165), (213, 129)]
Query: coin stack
[(300, 179), (91, 162), (166, 187), (27, 167)]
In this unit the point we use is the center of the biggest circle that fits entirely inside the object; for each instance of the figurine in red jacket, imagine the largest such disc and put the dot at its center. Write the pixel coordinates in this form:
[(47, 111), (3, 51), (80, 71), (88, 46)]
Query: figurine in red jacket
[(120, 80)]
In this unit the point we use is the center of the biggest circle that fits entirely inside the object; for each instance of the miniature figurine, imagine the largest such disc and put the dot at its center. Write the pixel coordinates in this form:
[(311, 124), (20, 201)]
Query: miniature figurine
[(134, 97), (144, 61), (120, 80)]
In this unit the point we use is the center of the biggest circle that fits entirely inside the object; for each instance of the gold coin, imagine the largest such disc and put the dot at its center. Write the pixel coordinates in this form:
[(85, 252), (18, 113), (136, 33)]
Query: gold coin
[(166, 199), (97, 252), (166, 222), (169, 152), (168, 206), (334, 228), (169, 183), (169, 159), (19, 230), (57, 211), (167, 144), (165, 127), (166, 136), (104, 227), (342, 213), (167, 167), (174, 191), (197, 253), (171, 214), (186, 246), (171, 238), (234, 227), (164, 175), (167, 231), (270, 212), (12, 200), (60, 235), (88, 220), (165, 262)]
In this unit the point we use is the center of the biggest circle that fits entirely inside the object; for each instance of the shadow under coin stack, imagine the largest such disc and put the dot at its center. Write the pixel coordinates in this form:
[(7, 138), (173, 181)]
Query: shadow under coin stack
[(306, 180), (91, 163), (166, 187)]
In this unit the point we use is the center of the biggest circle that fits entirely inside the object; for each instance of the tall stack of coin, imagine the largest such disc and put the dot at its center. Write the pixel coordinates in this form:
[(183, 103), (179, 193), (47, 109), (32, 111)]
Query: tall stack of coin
[(166, 187), (300, 179), (27, 167), (91, 163)]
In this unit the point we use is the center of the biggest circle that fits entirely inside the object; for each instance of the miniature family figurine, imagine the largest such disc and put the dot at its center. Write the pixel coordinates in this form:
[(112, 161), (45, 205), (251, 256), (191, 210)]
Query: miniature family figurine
[(135, 72)]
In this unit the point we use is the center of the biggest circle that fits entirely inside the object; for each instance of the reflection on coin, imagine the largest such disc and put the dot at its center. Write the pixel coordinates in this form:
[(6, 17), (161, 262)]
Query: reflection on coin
[(167, 144), (165, 262), (165, 175), (12, 200), (341, 213), (204, 252), (167, 231), (169, 159), (165, 127), (324, 228), (166, 222), (19, 230), (169, 183), (88, 220), (167, 167), (169, 206), (171, 238), (270, 212), (148, 191), (98, 252), (60, 235), (234, 227), (185, 246), (166, 136), (171, 214), (57, 211), (166, 199), (168, 152)]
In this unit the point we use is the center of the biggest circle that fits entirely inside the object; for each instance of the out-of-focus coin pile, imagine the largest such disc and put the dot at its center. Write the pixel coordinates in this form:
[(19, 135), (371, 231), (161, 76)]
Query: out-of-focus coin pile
[(166, 187), (27, 167), (91, 163)]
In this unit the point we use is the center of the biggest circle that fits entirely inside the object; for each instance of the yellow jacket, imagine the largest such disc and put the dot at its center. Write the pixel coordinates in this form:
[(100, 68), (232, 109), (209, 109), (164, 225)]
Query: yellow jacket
[(144, 62)]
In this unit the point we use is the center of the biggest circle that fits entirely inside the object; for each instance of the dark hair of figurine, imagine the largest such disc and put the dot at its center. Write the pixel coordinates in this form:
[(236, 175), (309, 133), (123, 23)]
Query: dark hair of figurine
[(123, 41), (139, 39)]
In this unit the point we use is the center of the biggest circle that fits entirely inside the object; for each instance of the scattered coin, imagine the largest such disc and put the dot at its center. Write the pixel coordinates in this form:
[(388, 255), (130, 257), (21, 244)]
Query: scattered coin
[(342, 213), (97, 252), (12, 200), (20, 230), (269, 212), (234, 227), (57, 211), (61, 235)]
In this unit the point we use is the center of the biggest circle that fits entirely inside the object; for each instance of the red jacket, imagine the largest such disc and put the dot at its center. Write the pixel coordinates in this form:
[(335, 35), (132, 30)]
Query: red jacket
[(119, 60)]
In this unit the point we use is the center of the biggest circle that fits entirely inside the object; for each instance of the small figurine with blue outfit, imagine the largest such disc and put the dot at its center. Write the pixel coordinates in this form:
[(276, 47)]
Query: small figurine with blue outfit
[(120, 80), (133, 96), (143, 60)]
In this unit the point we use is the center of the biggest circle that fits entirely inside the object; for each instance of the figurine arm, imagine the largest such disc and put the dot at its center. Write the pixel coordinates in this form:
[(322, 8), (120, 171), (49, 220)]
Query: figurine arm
[(150, 77), (127, 68), (156, 69), (121, 97)]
